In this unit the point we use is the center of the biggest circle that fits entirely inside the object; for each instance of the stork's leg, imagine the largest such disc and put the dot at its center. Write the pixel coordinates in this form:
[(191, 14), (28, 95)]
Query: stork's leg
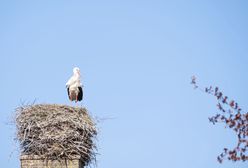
[(77, 100)]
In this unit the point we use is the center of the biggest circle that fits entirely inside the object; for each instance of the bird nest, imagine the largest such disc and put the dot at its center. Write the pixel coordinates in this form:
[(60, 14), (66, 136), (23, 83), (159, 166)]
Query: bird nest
[(58, 132)]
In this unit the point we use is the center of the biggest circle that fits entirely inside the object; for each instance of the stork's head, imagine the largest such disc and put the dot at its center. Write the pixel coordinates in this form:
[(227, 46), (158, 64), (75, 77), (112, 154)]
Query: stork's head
[(76, 70)]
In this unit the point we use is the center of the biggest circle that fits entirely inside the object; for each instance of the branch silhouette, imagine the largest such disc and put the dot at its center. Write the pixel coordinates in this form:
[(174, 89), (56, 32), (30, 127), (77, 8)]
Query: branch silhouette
[(233, 117)]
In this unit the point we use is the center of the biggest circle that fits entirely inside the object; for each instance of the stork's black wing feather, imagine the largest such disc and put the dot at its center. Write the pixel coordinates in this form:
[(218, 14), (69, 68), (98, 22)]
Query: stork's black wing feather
[(80, 94), (68, 92)]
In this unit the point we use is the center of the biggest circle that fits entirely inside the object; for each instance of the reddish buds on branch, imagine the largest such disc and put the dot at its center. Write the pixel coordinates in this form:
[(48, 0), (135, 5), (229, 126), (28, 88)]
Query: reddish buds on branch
[(234, 118)]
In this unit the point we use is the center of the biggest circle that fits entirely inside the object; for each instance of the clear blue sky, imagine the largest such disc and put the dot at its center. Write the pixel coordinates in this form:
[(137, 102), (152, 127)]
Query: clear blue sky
[(136, 59)]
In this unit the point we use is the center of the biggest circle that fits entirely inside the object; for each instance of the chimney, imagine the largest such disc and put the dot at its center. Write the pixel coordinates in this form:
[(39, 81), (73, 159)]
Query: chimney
[(34, 161)]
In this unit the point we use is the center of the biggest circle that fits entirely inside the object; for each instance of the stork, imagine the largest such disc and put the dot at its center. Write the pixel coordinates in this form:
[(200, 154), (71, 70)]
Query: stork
[(74, 87)]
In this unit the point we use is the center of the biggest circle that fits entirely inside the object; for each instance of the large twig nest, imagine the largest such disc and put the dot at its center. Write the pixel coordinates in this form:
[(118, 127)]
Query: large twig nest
[(56, 132)]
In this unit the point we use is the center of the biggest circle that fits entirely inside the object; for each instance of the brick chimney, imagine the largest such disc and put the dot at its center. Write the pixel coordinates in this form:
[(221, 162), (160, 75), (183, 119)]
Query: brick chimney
[(34, 161)]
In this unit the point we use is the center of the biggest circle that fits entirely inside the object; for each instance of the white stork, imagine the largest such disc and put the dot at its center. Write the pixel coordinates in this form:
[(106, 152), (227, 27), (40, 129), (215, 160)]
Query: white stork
[(74, 87)]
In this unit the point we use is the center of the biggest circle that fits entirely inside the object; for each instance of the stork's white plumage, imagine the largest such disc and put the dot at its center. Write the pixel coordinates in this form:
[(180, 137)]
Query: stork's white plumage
[(74, 87)]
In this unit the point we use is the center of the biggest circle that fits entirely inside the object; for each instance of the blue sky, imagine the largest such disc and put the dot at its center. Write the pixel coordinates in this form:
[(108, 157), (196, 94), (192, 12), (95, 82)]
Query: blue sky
[(136, 59)]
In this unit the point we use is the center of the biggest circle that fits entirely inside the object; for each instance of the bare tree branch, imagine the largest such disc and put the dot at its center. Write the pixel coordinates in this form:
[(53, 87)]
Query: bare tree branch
[(233, 117)]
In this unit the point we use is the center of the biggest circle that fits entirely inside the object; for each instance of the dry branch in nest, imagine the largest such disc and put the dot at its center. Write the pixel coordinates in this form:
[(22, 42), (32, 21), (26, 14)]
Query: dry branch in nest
[(54, 131)]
